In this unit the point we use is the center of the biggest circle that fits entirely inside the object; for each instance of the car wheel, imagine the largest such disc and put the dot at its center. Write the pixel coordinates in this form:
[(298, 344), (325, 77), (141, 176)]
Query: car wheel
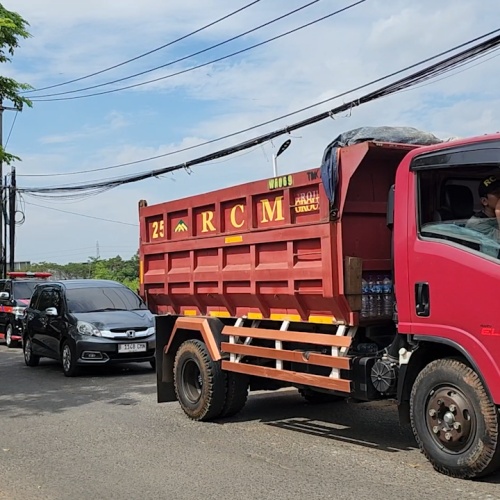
[(68, 358), (8, 337), (30, 359), (153, 364)]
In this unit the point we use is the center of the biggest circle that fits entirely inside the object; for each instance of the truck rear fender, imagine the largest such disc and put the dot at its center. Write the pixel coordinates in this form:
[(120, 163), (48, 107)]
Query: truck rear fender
[(429, 349)]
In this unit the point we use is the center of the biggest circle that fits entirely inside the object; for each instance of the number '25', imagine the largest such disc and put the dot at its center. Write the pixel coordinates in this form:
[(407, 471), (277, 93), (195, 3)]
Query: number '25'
[(158, 229)]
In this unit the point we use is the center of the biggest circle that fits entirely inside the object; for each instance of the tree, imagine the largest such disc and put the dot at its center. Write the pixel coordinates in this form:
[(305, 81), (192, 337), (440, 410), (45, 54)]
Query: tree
[(12, 28)]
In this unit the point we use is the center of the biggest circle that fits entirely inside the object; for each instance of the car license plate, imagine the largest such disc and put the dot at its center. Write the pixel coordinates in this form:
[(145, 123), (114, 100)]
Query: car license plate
[(132, 348)]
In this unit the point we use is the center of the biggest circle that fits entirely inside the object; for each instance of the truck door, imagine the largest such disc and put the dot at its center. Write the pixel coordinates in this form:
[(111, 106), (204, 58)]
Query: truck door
[(454, 270)]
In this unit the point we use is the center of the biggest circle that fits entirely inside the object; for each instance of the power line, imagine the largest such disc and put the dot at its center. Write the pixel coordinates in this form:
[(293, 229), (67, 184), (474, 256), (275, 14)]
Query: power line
[(147, 53), (182, 150), (187, 70), (82, 215), (427, 73), (182, 58), (11, 128)]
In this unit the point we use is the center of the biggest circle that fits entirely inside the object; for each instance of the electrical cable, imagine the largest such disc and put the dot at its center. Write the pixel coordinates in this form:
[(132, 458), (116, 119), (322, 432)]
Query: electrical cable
[(420, 76), (82, 215), (409, 81), (181, 58), (11, 129), (378, 80), (145, 53), (187, 70)]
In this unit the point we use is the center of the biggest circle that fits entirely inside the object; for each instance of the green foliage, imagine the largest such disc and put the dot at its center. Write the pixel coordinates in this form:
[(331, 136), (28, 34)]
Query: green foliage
[(12, 28), (115, 268)]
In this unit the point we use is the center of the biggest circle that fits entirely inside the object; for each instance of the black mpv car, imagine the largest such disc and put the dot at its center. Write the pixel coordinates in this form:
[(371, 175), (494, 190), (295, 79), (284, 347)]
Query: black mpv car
[(87, 322)]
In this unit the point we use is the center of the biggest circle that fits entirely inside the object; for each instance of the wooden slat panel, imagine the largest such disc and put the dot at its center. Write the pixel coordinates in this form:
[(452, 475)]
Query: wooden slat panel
[(288, 336), (334, 384), (284, 355)]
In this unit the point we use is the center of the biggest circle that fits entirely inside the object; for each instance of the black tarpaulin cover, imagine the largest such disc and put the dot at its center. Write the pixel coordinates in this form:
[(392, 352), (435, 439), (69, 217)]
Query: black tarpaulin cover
[(399, 135)]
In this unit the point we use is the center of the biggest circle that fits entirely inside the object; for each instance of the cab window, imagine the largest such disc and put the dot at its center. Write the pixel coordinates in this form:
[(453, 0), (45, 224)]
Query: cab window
[(450, 208)]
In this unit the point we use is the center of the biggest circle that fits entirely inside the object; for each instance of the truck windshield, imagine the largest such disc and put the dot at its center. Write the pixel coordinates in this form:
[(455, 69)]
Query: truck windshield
[(81, 300), (23, 289)]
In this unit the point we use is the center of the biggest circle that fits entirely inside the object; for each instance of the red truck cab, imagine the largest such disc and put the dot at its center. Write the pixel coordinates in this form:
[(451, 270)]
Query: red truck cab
[(262, 285)]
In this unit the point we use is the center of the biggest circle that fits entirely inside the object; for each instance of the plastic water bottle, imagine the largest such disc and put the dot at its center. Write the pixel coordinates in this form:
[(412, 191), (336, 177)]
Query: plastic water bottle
[(387, 297), (364, 286), (364, 297), (379, 304), (387, 285), (372, 287)]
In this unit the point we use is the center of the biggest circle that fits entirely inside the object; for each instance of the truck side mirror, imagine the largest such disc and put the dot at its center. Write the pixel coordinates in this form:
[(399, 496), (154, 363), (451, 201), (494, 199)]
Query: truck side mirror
[(4, 295), (390, 208)]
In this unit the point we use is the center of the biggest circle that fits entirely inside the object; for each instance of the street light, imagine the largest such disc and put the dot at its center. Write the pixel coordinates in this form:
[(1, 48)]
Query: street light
[(280, 150)]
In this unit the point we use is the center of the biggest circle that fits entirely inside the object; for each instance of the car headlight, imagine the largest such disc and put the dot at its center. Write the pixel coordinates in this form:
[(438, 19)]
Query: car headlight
[(85, 328)]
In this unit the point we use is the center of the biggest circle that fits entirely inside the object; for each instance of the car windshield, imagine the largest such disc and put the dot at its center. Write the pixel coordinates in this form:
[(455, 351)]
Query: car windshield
[(23, 289), (82, 300)]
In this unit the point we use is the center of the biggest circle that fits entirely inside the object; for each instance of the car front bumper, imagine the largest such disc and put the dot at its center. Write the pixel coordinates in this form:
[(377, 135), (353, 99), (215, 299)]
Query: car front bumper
[(98, 350)]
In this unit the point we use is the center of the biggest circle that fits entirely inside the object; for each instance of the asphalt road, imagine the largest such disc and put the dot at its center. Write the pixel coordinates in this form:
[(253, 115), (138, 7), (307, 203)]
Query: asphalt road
[(103, 435)]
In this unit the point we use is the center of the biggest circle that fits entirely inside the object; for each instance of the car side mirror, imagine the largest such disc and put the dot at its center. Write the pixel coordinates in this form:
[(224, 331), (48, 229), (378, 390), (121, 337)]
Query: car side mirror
[(4, 295), (51, 311)]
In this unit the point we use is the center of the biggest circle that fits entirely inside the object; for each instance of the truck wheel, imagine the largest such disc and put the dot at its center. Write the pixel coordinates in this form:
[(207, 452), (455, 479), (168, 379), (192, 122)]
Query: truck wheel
[(236, 395), (30, 359), (8, 337), (317, 397), (199, 382), (454, 421)]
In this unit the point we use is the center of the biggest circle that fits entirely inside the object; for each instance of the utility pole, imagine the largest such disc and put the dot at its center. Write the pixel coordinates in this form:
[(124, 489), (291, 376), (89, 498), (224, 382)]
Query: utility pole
[(2, 262), (12, 219), (4, 216), (3, 232)]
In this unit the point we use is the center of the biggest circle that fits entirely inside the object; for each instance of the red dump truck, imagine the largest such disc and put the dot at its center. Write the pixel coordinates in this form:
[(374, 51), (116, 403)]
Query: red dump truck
[(380, 289)]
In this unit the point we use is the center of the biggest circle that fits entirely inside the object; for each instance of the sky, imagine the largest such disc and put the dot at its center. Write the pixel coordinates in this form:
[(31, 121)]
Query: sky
[(70, 40)]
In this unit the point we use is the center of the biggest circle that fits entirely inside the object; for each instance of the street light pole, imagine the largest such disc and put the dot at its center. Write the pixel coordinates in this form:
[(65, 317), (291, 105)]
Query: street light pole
[(275, 156)]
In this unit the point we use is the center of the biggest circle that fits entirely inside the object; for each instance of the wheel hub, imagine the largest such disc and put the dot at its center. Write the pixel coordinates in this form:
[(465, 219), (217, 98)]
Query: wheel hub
[(66, 358), (449, 417), (192, 381)]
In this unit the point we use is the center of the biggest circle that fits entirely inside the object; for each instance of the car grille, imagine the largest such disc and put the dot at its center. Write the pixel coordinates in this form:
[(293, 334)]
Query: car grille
[(137, 329)]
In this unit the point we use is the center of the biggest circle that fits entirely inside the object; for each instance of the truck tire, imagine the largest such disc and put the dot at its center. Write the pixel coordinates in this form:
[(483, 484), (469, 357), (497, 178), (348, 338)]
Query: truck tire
[(199, 382), (236, 394), (454, 421), (317, 397)]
